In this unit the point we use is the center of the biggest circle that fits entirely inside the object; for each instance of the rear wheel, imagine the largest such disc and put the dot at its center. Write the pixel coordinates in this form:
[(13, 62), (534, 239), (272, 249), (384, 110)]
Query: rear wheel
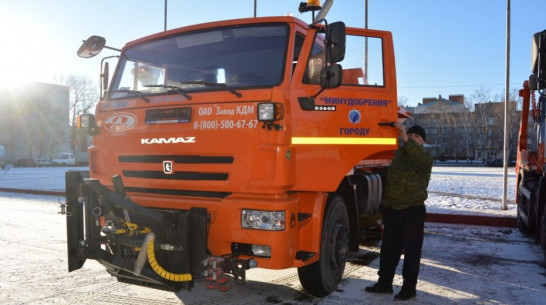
[(543, 234), (522, 226), (522, 202), (323, 276)]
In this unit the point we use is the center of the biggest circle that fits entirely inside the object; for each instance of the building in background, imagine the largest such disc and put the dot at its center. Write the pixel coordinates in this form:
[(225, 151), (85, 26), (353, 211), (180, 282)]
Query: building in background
[(34, 121), (455, 132)]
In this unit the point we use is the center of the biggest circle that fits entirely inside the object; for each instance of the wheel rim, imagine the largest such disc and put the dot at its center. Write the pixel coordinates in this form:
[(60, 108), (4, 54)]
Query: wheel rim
[(339, 245)]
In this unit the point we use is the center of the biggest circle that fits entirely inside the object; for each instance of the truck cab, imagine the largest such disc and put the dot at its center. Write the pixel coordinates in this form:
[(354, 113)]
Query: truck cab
[(259, 142)]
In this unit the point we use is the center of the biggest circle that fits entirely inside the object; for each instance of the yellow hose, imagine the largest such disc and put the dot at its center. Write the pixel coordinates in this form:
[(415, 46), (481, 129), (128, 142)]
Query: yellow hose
[(184, 277), (131, 229)]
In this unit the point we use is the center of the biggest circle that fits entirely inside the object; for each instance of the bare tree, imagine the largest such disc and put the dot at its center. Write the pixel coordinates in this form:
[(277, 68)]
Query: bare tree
[(488, 121), (473, 132), (480, 118), (467, 129), (402, 101), (514, 117), (83, 98)]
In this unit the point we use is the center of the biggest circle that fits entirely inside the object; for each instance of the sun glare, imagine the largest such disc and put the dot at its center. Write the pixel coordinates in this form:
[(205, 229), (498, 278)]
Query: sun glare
[(22, 52)]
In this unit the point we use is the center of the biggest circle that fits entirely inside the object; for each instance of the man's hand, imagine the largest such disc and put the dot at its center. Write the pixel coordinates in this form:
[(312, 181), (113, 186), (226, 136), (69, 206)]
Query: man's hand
[(401, 131)]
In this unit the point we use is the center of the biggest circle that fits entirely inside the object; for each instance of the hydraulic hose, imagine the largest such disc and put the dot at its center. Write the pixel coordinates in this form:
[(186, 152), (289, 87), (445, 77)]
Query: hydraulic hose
[(173, 277), (131, 229)]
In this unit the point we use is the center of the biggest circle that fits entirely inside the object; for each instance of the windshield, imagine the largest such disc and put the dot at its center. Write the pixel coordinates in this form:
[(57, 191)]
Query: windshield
[(217, 59)]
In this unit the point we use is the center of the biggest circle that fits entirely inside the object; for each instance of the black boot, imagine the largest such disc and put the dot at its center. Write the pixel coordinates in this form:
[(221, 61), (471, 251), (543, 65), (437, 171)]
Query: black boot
[(405, 294), (380, 288)]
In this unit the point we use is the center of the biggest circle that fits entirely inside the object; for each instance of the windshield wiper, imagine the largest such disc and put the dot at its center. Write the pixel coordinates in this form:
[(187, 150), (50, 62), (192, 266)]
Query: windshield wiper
[(175, 88), (134, 92), (211, 84)]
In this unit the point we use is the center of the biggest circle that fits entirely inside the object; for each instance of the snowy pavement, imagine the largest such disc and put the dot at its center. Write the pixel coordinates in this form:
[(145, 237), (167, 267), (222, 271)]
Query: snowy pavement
[(35, 178), (461, 264), (472, 190)]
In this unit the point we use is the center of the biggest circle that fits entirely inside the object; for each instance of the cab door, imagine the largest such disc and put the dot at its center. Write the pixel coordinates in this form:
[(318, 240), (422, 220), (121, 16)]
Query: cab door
[(341, 127)]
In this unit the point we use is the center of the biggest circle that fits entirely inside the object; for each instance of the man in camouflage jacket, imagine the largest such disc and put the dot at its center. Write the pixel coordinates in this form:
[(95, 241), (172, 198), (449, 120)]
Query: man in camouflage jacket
[(404, 213)]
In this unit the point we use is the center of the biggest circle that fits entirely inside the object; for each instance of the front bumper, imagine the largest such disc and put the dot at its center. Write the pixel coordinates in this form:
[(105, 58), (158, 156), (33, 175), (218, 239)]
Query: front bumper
[(108, 227)]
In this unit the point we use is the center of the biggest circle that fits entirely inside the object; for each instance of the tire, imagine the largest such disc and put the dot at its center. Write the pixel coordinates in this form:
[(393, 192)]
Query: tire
[(522, 226), (543, 234), (323, 276)]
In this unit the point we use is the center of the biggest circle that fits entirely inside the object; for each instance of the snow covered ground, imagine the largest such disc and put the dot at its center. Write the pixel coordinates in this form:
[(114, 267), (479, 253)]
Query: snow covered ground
[(452, 189), (473, 190), (35, 178), (461, 264)]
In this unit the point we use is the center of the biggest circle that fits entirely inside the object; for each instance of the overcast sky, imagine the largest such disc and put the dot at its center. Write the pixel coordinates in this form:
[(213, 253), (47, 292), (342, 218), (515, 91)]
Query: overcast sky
[(442, 46)]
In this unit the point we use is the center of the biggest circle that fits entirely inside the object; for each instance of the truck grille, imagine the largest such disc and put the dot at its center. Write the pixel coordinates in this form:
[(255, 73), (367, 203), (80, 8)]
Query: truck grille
[(176, 176), (205, 194), (190, 159), (181, 175)]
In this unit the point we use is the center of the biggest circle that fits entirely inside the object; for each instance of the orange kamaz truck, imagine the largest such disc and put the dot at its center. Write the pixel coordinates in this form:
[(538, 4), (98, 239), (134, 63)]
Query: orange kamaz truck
[(224, 146)]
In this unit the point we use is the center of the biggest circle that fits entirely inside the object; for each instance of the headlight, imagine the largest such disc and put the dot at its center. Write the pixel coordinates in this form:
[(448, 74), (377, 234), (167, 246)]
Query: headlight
[(270, 111), (263, 220)]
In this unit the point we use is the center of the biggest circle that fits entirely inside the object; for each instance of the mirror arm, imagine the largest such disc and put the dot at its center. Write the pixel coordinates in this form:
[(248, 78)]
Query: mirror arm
[(103, 83), (320, 91), (326, 47), (327, 43), (113, 49)]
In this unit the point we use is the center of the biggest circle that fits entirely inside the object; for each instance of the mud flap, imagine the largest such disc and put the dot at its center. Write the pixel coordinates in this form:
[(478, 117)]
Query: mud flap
[(74, 219)]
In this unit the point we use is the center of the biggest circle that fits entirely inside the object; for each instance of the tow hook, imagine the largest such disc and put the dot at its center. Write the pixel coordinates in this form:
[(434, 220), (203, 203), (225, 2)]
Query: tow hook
[(238, 268), (63, 206), (217, 267), (215, 277)]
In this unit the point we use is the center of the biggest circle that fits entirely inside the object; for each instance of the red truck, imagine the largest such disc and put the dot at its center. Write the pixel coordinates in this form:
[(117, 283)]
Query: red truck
[(236, 144), (531, 179)]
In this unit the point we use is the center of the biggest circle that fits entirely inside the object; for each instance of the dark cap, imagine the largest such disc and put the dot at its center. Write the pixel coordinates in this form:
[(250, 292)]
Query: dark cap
[(416, 129)]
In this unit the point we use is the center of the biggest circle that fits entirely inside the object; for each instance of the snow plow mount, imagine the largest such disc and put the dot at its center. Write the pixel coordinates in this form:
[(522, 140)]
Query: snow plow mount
[(162, 249)]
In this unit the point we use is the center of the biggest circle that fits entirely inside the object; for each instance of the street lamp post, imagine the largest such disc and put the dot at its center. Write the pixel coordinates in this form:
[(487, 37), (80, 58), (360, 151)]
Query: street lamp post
[(506, 104), (165, 18)]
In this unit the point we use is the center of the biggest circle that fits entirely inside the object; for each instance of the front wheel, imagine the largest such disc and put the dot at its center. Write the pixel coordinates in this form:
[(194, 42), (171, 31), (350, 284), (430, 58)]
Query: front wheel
[(323, 276)]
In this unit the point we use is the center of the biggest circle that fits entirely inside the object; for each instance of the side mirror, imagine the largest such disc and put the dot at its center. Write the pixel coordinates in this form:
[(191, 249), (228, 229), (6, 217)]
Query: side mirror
[(533, 82), (91, 47), (538, 60), (331, 76), (535, 51), (335, 42)]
